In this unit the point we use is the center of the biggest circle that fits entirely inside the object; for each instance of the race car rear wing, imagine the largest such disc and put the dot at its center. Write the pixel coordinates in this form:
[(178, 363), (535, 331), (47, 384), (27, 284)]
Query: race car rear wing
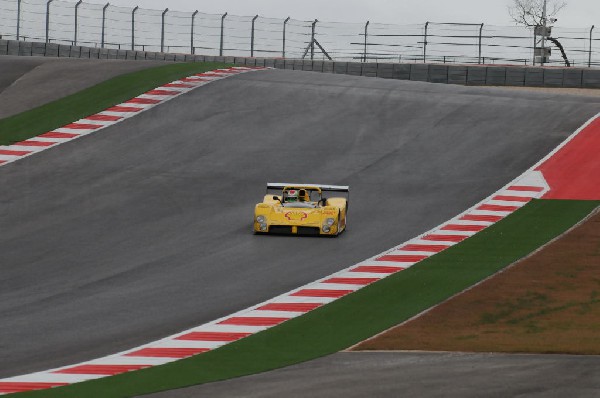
[(328, 188)]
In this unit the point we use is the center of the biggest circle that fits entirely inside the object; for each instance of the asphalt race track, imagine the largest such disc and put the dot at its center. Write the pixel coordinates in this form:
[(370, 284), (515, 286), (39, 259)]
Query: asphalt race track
[(144, 229), (415, 374)]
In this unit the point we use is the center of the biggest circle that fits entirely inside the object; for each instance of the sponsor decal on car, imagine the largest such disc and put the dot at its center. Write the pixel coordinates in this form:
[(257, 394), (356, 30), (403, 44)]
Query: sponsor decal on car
[(295, 215)]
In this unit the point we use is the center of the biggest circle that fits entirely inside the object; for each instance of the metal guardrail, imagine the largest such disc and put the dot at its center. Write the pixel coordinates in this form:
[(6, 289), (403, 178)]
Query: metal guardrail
[(104, 25)]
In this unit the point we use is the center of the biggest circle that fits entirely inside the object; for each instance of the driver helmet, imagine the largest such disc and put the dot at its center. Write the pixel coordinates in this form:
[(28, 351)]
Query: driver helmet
[(292, 196)]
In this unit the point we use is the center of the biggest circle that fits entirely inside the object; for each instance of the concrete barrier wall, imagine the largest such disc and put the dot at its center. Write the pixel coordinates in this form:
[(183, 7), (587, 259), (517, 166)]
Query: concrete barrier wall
[(476, 75)]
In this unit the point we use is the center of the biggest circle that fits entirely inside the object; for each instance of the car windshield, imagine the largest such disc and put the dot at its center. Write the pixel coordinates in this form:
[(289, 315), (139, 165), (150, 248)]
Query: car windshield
[(299, 196), (300, 205), (303, 195)]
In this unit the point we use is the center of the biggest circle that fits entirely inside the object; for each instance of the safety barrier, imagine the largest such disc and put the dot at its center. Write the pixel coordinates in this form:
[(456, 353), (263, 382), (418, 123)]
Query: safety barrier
[(472, 75)]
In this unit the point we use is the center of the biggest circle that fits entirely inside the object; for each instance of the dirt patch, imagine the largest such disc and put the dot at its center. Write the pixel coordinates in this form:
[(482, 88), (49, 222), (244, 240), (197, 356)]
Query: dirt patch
[(547, 303)]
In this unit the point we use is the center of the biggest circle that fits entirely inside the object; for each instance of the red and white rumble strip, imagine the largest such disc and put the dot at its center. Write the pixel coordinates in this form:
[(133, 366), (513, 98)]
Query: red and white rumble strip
[(209, 336), (113, 115)]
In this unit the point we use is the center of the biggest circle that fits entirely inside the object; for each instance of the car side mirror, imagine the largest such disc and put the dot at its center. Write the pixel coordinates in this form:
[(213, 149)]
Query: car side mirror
[(324, 201), (275, 197)]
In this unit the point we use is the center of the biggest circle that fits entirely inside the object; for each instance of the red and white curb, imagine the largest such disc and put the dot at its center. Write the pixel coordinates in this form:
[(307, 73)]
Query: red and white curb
[(206, 337), (114, 114)]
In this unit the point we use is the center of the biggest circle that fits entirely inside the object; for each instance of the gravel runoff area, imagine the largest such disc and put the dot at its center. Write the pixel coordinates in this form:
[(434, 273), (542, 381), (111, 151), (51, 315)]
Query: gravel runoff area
[(28, 82)]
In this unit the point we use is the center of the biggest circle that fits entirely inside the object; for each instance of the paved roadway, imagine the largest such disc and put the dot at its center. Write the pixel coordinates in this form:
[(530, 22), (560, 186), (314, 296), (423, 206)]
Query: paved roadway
[(28, 82), (143, 229), (414, 374)]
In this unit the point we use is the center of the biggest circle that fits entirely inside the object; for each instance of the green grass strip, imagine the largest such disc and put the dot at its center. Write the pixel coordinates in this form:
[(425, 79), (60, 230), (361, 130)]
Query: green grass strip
[(93, 100), (357, 316)]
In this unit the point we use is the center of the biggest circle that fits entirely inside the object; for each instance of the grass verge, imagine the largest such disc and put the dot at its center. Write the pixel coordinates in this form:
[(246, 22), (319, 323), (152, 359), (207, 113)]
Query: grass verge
[(93, 100), (358, 316)]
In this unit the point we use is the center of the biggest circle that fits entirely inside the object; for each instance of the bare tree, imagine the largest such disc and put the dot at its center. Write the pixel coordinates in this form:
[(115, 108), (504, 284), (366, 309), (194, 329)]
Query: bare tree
[(530, 12)]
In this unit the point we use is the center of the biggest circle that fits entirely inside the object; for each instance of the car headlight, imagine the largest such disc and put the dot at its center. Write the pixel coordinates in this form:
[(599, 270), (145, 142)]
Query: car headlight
[(326, 229), (329, 221), (261, 219), (263, 227)]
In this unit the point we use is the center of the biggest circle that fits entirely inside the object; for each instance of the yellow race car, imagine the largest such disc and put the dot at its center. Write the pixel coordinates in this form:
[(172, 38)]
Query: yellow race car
[(302, 209)]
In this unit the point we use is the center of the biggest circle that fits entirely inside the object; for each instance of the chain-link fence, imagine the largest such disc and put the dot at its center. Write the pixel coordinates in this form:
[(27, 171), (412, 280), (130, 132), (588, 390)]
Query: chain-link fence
[(105, 25)]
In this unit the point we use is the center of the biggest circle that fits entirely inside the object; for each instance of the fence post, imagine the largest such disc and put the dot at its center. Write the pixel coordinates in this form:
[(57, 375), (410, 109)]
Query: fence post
[(252, 37), (48, 20), (425, 42), (312, 40), (590, 52), (192, 49), (222, 31), (162, 31), (283, 49), (365, 50), (103, 24), (18, 17), (480, 33), (76, 13), (534, 44), (133, 27)]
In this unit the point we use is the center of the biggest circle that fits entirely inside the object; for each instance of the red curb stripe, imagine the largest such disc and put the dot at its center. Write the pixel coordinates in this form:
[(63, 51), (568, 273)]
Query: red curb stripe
[(424, 248), (321, 293), (377, 269), (180, 85), (213, 336), (253, 321), (105, 118), (293, 307), (497, 208), (19, 386), (54, 134), (101, 369), (572, 171), (119, 108), (34, 143), (3, 161), (146, 101), (525, 188), (446, 238), (401, 258), (13, 153), (162, 92), (82, 126), (351, 281), (512, 198), (167, 352), (479, 217), (460, 227)]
